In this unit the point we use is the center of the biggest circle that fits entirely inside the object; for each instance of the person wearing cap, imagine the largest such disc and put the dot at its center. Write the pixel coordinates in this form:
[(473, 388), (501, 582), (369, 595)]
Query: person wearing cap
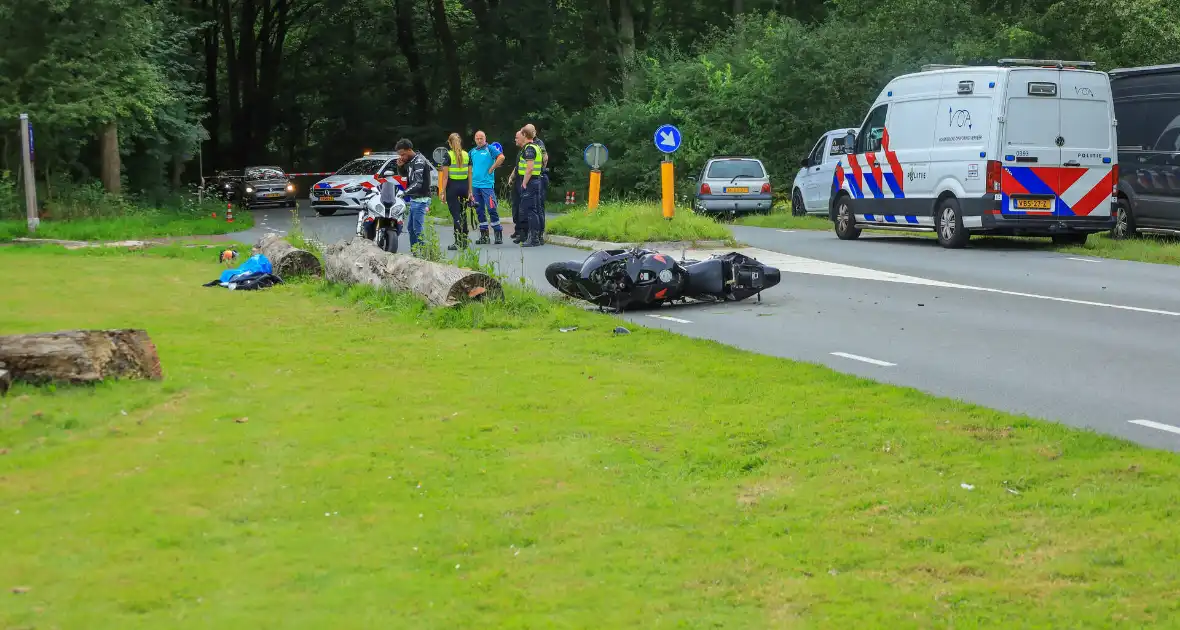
[(485, 159)]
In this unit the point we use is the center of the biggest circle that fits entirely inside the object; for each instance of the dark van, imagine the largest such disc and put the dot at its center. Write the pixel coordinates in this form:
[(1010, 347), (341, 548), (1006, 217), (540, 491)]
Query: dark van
[(1147, 107)]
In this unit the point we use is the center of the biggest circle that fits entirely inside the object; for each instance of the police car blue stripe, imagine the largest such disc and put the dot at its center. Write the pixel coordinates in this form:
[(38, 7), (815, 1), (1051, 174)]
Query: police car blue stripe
[(874, 187), (911, 220), (870, 217), (889, 218), (893, 186)]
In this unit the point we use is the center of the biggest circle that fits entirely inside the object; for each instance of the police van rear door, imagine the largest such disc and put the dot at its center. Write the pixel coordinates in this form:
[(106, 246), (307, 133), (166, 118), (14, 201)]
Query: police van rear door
[(1032, 157), (1088, 151)]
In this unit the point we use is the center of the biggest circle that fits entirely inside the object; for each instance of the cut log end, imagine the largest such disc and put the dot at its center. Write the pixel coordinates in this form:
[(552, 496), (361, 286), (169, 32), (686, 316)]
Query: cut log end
[(287, 260)]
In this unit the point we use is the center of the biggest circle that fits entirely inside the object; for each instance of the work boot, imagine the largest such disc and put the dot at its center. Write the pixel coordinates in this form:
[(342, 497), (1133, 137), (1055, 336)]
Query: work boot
[(518, 236), (533, 241), (483, 238), (499, 237), (460, 243)]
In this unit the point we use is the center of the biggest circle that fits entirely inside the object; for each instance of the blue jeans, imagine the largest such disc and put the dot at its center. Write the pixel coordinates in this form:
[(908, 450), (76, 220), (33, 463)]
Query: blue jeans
[(485, 199), (417, 220)]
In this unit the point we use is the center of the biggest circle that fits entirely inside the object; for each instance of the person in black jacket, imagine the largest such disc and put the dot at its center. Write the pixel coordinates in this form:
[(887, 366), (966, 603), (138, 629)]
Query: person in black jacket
[(414, 168)]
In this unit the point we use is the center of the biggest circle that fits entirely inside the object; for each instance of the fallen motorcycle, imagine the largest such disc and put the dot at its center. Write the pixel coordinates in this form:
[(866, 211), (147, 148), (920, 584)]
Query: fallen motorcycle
[(623, 279)]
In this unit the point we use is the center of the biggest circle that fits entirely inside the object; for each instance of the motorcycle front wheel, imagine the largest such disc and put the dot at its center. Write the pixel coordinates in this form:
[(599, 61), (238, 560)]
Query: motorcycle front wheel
[(390, 240), (560, 275)]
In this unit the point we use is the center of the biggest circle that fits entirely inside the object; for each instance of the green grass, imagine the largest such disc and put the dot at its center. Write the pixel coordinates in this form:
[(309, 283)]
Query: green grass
[(627, 222), (128, 227), (477, 468)]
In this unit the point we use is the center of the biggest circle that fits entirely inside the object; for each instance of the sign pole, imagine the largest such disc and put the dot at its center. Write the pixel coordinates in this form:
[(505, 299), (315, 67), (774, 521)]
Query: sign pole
[(668, 139), (26, 138), (595, 186), (669, 190)]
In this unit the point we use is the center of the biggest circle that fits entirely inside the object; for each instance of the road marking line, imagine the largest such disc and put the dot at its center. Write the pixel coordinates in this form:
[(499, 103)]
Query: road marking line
[(1157, 425), (671, 319), (857, 357), (1083, 259), (787, 231), (787, 263)]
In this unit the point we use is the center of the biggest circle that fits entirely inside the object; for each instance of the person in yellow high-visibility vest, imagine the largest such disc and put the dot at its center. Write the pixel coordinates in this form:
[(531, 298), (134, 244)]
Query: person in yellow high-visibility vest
[(528, 172), (455, 188)]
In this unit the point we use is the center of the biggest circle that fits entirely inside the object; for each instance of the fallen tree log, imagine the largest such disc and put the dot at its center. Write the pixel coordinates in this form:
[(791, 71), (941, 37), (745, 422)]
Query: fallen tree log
[(360, 261), (80, 356), (287, 260)]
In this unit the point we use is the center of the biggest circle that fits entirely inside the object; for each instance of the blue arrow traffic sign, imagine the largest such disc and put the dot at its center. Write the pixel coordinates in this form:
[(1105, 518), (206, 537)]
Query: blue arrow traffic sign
[(667, 138)]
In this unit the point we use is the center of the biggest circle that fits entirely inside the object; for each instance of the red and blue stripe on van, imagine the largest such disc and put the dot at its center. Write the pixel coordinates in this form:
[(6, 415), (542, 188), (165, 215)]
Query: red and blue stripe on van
[(1078, 192), (872, 176)]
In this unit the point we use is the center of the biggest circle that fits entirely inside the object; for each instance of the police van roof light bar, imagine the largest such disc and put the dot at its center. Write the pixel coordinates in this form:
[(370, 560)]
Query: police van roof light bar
[(1054, 63)]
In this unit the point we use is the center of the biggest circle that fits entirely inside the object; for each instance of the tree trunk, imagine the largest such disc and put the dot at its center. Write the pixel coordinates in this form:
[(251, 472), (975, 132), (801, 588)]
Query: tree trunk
[(212, 94), (626, 31), (288, 261), (112, 168), (737, 8), (177, 172), (405, 41), (451, 70), (80, 356), (360, 261)]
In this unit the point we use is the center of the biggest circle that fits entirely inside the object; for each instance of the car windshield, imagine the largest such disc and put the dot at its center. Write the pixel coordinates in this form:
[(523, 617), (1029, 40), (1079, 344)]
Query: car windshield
[(361, 167), (265, 172), (730, 169)]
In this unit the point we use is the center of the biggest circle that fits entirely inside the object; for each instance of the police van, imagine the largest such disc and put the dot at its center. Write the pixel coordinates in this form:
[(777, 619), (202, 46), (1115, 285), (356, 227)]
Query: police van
[(1023, 148)]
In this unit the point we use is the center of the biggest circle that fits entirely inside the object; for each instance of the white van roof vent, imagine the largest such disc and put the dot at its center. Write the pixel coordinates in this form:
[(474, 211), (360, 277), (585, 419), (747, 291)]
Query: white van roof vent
[(1050, 63)]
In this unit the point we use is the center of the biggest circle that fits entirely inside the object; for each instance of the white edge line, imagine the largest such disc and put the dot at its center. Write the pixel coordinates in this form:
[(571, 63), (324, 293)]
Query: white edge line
[(1082, 259), (671, 319), (787, 231), (857, 357), (1157, 425)]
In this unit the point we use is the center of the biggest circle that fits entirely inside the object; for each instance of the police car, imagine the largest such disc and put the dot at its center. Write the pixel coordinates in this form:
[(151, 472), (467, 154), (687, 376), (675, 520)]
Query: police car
[(344, 189), (1025, 147)]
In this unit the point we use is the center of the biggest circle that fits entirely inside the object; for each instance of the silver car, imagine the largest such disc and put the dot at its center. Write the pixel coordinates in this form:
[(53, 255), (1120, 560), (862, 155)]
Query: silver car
[(733, 184)]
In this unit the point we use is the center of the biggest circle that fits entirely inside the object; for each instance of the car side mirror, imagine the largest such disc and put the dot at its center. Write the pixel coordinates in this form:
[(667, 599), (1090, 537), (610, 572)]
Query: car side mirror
[(805, 162)]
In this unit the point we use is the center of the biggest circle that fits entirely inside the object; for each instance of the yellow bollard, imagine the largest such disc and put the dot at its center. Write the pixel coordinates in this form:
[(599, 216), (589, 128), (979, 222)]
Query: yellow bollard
[(595, 186), (669, 192)]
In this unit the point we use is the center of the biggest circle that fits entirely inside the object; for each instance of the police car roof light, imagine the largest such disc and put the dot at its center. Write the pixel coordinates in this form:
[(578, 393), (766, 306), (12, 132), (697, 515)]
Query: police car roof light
[(1047, 63)]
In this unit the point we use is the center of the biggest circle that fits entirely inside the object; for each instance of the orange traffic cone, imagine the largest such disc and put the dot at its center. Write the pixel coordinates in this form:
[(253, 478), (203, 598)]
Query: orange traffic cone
[(229, 213)]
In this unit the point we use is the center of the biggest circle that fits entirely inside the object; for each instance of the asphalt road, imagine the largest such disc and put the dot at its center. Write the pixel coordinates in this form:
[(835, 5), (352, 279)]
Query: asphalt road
[(1088, 342)]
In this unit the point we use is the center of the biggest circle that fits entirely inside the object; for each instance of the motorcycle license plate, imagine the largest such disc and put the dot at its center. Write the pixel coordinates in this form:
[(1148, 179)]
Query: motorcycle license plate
[(737, 189), (1034, 204), (325, 198)]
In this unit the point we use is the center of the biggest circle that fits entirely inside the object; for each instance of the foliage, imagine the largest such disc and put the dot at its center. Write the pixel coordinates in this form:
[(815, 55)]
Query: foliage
[(628, 222), (492, 489)]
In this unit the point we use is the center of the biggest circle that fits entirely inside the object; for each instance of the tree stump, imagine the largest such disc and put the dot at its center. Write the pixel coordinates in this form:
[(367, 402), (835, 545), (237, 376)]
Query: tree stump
[(360, 261), (287, 260), (80, 356)]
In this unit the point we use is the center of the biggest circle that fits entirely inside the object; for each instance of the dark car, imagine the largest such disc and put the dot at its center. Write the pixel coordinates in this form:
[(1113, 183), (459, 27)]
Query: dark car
[(261, 186), (1147, 107)]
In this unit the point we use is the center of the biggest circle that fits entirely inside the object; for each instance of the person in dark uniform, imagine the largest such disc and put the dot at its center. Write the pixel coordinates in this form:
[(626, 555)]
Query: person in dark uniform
[(456, 170), (520, 222), (528, 169), (544, 172)]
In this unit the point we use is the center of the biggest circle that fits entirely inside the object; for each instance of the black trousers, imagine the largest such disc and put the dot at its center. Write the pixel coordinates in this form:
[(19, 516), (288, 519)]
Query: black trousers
[(520, 221), (456, 197), (530, 207)]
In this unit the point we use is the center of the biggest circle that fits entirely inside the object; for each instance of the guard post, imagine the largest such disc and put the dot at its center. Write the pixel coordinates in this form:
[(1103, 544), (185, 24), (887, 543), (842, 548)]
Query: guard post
[(595, 156), (26, 141), (668, 140)]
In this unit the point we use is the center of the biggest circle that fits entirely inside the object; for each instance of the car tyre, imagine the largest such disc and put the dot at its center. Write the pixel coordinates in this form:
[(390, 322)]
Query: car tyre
[(1069, 239), (949, 225), (846, 229), (1124, 221), (325, 212), (797, 207)]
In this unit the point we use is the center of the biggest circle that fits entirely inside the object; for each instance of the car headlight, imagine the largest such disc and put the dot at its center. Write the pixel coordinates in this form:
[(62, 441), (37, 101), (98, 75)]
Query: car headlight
[(249, 189), (227, 185), (290, 187), (354, 189)]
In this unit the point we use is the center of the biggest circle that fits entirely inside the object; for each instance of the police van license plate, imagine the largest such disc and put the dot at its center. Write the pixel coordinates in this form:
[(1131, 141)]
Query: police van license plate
[(739, 189), (1034, 204)]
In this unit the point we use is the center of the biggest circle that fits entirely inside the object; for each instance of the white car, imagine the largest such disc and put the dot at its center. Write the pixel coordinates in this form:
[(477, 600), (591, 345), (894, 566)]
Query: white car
[(344, 189), (1025, 147), (811, 193)]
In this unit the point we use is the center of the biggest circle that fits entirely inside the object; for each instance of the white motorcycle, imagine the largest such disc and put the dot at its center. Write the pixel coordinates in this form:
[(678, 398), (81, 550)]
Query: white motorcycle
[(380, 225)]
